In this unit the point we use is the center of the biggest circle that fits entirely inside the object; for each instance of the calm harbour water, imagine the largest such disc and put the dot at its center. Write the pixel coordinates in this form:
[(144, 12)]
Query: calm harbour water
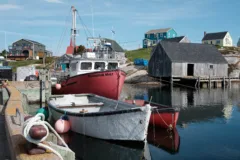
[(208, 128)]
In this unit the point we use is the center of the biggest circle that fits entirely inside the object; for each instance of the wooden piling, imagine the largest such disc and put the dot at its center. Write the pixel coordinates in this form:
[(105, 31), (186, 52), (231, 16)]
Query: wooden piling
[(198, 82), (209, 83), (224, 83)]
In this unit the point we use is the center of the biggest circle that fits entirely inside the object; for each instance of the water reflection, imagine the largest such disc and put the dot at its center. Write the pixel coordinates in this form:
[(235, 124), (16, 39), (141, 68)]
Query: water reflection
[(164, 139), (87, 148), (196, 105)]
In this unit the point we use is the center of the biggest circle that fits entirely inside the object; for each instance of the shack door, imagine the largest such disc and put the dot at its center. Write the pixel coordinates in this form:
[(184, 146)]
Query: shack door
[(190, 69)]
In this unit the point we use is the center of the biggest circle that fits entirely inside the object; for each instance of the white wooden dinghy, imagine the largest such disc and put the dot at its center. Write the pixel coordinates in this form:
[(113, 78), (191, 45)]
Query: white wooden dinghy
[(101, 117)]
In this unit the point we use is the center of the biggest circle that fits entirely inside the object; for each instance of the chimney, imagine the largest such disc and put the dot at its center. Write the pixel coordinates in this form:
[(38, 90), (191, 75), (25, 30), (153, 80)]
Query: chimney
[(205, 33)]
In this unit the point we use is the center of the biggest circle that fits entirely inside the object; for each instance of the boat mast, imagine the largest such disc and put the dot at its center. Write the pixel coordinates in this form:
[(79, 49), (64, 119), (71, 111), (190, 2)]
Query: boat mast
[(74, 27)]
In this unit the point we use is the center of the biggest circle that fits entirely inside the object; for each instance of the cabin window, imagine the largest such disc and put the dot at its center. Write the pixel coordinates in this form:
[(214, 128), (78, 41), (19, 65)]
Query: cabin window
[(99, 65), (86, 66), (73, 66), (112, 65)]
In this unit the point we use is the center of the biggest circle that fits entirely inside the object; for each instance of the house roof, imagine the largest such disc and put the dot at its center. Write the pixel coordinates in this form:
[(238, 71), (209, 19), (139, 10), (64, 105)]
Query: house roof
[(31, 41), (191, 52), (163, 30), (114, 45), (176, 39), (213, 36)]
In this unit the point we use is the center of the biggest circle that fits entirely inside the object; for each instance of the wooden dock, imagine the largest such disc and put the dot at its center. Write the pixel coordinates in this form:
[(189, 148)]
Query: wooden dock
[(207, 82)]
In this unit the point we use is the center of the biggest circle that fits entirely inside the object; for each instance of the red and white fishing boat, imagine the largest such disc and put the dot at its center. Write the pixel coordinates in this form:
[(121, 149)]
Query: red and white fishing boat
[(96, 71), (162, 116)]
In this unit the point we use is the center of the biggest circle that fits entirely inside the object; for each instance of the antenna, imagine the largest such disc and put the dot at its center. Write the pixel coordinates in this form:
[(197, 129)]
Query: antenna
[(92, 18), (74, 26)]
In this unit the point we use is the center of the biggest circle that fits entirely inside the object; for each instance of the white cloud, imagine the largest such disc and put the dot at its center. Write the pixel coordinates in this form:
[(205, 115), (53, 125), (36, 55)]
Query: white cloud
[(54, 1), (4, 7), (108, 4)]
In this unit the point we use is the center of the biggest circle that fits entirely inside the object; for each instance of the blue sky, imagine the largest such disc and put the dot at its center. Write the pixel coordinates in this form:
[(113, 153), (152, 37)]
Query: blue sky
[(45, 20)]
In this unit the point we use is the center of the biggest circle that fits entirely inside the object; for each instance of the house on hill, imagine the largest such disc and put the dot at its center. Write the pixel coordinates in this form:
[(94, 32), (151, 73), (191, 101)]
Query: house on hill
[(180, 39), (171, 59), (152, 37), (219, 38)]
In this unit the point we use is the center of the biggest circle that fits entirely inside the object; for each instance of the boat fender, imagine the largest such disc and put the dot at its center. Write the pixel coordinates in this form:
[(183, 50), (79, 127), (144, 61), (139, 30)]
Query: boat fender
[(44, 111), (33, 149), (62, 125), (58, 86), (37, 132)]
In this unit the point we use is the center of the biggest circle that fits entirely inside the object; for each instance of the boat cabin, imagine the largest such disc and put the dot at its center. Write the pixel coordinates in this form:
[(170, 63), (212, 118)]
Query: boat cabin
[(82, 66)]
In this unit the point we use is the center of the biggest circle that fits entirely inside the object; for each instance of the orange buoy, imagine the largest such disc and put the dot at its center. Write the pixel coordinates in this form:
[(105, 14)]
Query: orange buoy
[(62, 126), (36, 73), (58, 86)]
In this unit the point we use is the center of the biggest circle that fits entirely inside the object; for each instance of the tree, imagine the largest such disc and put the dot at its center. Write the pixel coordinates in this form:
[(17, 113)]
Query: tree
[(80, 49), (4, 53)]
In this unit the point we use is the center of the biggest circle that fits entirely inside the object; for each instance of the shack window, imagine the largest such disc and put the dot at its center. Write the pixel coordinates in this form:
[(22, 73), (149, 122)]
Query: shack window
[(211, 66), (112, 65), (86, 66), (99, 65)]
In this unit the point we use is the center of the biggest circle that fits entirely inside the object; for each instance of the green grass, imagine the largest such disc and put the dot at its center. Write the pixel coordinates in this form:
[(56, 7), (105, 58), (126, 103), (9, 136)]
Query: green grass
[(139, 53), (16, 64)]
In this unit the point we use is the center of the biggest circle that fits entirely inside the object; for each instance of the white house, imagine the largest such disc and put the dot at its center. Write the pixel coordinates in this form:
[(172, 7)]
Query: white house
[(218, 38)]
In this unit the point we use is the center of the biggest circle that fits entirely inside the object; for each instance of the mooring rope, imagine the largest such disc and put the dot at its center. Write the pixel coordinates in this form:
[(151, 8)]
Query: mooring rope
[(170, 126), (38, 119)]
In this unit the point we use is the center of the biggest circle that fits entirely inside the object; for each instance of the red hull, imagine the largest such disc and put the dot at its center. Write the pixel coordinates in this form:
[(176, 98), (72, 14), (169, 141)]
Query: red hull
[(162, 116), (105, 83)]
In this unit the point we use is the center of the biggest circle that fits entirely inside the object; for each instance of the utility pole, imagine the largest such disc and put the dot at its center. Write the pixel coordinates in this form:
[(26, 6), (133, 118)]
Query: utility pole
[(5, 35)]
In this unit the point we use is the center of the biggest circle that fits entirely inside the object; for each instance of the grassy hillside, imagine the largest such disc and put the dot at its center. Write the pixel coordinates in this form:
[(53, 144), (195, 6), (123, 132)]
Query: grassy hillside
[(16, 64), (139, 53)]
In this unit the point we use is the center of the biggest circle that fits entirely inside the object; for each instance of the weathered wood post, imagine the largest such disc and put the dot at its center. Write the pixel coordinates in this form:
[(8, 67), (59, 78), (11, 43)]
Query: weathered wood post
[(229, 81), (40, 93), (198, 82), (209, 81), (224, 82)]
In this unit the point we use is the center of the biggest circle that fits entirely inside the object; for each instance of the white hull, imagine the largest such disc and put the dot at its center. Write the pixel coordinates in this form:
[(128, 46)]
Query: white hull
[(130, 126)]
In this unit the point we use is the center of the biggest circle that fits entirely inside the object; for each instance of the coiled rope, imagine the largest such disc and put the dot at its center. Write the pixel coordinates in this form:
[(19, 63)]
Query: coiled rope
[(38, 119)]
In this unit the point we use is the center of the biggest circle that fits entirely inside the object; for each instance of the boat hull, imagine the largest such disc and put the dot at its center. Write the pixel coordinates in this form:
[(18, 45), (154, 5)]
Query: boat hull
[(162, 116), (126, 125), (104, 83)]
